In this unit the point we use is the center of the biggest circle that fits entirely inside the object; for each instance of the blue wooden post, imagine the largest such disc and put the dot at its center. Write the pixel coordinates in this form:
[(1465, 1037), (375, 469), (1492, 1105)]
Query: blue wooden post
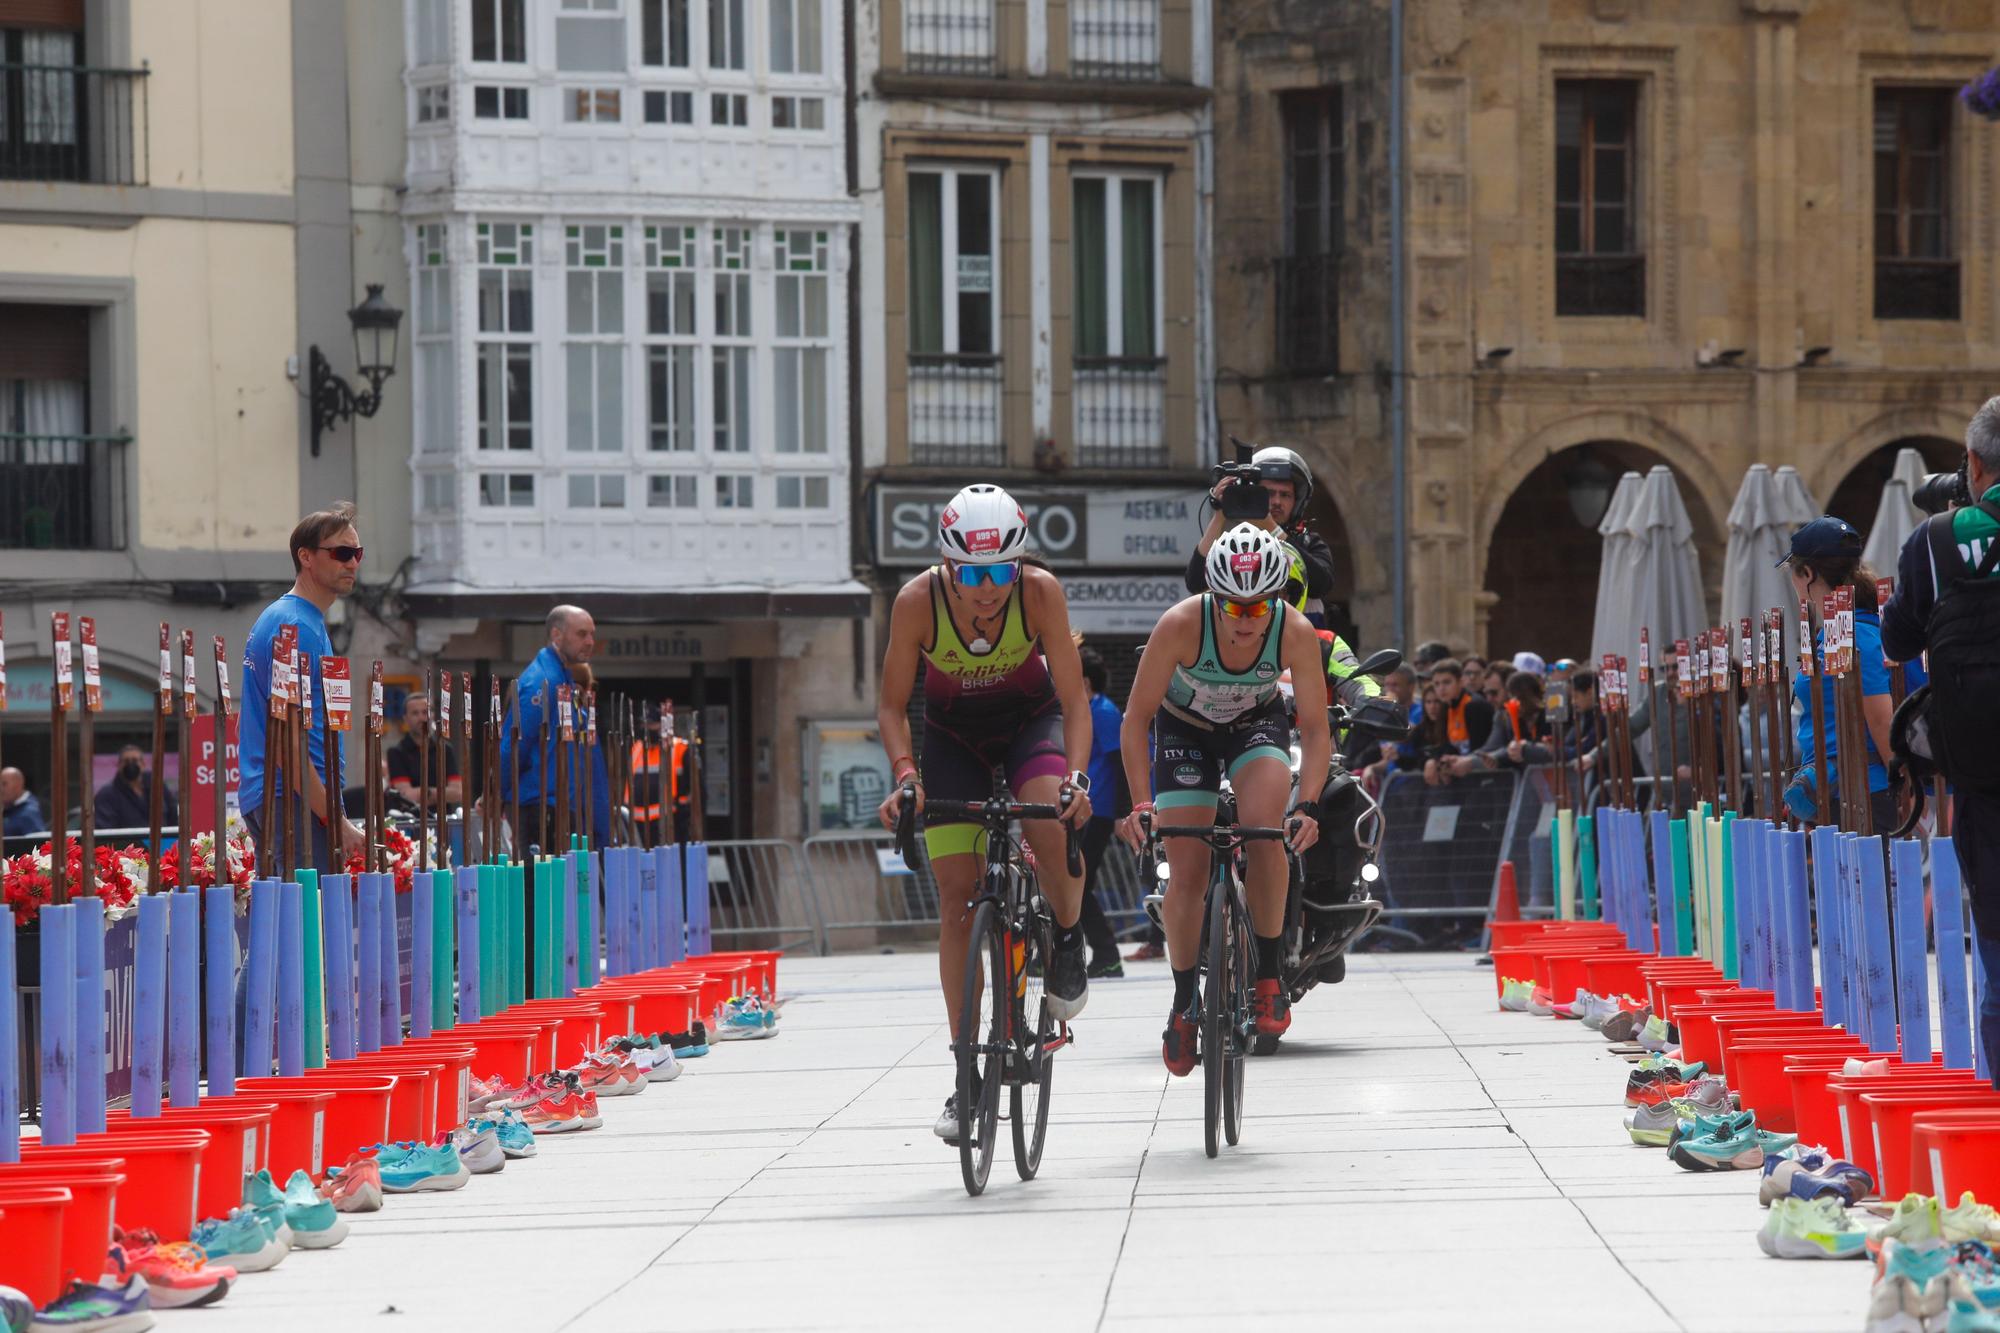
[(337, 915), (1799, 919), (58, 1025), (694, 881), (1948, 911), (421, 927), (444, 981), (546, 888), (655, 883), (90, 1017), (184, 998), (368, 917), (588, 915), (1878, 981), (615, 862), (1792, 953), (10, 1044), (470, 938), (149, 1007), (1776, 904), (218, 929), (514, 887), (261, 997), (1832, 929), (1736, 852), (391, 1017), (565, 976), (1913, 977), (291, 979), (676, 928), (1663, 880)]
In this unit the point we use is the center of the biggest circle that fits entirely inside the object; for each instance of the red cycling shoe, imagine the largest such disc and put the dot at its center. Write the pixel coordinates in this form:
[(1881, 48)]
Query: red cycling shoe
[(1177, 1045), (1271, 1009)]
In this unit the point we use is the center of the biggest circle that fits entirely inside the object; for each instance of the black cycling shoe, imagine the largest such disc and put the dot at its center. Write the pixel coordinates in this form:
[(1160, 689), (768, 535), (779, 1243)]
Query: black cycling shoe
[(1105, 967), (1067, 987)]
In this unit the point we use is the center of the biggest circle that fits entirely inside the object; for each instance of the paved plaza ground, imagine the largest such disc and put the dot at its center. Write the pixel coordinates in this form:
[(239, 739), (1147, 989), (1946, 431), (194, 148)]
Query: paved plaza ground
[(1413, 1159)]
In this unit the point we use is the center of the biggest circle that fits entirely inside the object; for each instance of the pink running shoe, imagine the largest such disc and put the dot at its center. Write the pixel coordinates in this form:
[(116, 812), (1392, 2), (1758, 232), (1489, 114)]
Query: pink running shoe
[(355, 1187), (178, 1275)]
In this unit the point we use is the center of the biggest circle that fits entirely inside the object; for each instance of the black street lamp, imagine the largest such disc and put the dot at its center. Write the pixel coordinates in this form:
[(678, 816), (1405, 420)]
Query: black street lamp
[(375, 324)]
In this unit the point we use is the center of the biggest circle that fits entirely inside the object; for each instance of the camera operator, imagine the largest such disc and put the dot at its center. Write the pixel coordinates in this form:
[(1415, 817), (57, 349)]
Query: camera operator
[(1947, 602), (1288, 487)]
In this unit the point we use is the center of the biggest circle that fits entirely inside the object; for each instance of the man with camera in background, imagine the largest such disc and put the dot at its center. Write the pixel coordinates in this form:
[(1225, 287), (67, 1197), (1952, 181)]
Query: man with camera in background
[(1947, 604), (1271, 489)]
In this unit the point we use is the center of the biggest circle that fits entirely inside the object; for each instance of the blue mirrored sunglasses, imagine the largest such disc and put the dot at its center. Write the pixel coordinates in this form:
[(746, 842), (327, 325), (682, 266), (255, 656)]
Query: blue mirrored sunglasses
[(971, 576)]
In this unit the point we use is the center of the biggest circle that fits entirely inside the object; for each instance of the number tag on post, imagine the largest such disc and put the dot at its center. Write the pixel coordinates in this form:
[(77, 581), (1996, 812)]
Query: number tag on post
[(1682, 686), (1645, 658), (465, 705), (224, 706), (590, 716), (444, 705), (375, 719), (188, 695), (495, 712), (93, 683), (166, 669), (565, 721), (3, 665), (338, 691), (65, 679)]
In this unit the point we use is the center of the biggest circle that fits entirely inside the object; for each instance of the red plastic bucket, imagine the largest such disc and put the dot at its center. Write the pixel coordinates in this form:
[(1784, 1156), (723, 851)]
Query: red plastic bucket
[(93, 1188), (762, 979), (582, 1022), (298, 1127), (657, 1004), (356, 1117), (1894, 1113), (161, 1168), (455, 1080), (412, 1102), (239, 1144), (506, 1051), (31, 1239)]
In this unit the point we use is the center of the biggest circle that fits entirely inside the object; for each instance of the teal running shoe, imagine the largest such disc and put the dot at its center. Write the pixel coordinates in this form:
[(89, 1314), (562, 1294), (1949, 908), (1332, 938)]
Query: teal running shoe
[(262, 1196), (744, 1018), (690, 1044), (17, 1312), (1912, 1289), (412, 1167), (1735, 1145), (1812, 1229), (315, 1223), (516, 1139), (241, 1240)]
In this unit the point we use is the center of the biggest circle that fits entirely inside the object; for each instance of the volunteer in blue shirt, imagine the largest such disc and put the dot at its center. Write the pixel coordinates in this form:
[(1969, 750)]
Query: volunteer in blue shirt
[(1825, 556), (326, 558), (1106, 778), (563, 661)]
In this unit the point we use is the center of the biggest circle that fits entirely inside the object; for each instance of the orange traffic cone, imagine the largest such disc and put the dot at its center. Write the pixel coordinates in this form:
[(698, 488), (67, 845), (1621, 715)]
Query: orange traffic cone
[(1506, 898)]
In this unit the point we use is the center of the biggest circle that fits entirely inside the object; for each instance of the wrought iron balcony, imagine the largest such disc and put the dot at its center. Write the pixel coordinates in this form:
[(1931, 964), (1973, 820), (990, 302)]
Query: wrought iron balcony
[(955, 409), (949, 37), (69, 123), (1115, 39), (1121, 411), (62, 492)]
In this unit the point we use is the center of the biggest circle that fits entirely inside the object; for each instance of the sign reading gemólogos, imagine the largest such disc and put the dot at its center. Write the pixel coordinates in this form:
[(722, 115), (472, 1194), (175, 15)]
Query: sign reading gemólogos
[(1108, 527), (1120, 604)]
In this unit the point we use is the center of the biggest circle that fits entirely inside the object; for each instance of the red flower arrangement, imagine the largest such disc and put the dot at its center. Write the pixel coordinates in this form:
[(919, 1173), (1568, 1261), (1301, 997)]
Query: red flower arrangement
[(402, 856)]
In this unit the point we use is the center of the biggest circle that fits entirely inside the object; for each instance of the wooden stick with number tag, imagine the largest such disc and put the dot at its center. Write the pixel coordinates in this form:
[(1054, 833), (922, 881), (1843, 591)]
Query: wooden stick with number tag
[(371, 755), (1651, 687), (59, 701), (1698, 731), (441, 738), (1751, 792), (423, 784), (1677, 693), (274, 757), (565, 737), (308, 849), (223, 708), (337, 695), (1777, 695), (86, 724), (1626, 760), (156, 797), (490, 781), (1813, 663), (190, 709)]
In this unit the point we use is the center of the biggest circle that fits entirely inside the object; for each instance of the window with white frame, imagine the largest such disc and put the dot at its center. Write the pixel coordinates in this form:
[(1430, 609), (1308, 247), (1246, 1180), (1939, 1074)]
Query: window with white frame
[(797, 45), (1115, 241), (506, 490), (590, 36), (437, 493), (673, 492), (433, 104), (592, 106), (500, 31), (669, 106), (805, 492), (954, 261), (734, 490), (437, 382), (728, 34), (431, 24), (803, 338), (671, 341), (730, 357), (665, 37), (505, 255), (499, 102), (798, 113), (728, 110), (597, 490), (594, 347)]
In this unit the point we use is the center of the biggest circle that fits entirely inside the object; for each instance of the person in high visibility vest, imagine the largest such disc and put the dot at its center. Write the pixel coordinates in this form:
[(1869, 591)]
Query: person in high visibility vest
[(652, 789)]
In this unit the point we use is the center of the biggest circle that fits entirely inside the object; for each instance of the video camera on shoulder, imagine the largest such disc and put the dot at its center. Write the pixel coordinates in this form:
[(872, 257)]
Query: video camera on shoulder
[(1942, 490), (1245, 498)]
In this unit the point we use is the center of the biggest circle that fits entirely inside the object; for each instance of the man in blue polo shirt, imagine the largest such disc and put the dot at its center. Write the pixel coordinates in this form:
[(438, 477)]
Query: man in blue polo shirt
[(326, 558), (564, 660)]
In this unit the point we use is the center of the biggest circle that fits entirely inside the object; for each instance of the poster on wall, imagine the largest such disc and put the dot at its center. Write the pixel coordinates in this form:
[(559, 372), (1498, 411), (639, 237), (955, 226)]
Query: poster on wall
[(715, 759), (846, 773)]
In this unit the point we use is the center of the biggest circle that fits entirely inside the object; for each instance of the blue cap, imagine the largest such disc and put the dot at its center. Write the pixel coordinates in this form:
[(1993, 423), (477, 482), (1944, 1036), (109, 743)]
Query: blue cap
[(1825, 536)]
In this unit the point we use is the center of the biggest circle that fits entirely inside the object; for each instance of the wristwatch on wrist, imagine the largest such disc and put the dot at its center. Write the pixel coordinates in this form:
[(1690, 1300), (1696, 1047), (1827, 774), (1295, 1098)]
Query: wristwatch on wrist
[(1078, 780)]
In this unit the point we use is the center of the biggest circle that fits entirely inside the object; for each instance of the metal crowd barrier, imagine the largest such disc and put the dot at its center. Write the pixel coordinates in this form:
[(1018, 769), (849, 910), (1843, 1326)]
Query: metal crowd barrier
[(760, 895), (863, 889)]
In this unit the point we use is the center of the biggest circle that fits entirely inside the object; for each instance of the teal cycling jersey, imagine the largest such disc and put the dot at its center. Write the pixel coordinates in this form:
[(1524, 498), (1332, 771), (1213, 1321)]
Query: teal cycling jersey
[(1207, 691)]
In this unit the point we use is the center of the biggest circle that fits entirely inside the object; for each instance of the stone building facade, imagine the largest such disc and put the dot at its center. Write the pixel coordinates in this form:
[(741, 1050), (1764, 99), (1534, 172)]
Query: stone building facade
[(1705, 233)]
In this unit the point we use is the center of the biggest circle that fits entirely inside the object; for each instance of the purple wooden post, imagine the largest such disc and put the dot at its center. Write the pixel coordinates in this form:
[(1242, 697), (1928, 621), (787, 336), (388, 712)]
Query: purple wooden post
[(90, 1025), (149, 1006), (291, 980), (183, 998)]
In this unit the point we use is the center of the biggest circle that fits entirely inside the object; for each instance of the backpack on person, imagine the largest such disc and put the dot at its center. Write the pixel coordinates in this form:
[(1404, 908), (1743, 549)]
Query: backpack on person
[(1963, 651)]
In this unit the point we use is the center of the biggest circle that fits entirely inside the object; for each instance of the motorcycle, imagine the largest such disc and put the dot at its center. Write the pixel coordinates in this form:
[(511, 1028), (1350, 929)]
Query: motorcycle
[(1329, 902)]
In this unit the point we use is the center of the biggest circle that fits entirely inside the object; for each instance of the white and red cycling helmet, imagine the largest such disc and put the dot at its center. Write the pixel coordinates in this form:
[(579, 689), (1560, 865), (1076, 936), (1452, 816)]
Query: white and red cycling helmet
[(982, 526), (1247, 564)]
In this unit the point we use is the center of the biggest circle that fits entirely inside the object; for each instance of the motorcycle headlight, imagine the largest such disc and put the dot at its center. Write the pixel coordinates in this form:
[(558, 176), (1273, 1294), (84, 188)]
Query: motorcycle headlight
[(1161, 873), (1370, 872)]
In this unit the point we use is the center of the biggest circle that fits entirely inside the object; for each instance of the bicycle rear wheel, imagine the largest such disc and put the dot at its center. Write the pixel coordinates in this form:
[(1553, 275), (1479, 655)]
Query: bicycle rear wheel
[(1240, 971), (1217, 1015), (982, 1032), (1034, 1035)]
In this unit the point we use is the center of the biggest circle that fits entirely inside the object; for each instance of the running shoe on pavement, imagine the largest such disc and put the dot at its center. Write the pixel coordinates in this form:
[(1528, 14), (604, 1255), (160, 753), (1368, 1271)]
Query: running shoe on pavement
[(1066, 988), (1271, 1009), (1624, 1024), (178, 1274), (478, 1145), (1514, 994), (1598, 1011), (615, 1074), (355, 1187), (744, 1018), (1541, 1003), (1736, 1146), (315, 1224), (89, 1308), (658, 1063), (516, 1139), (1811, 1229), (690, 1044), (1178, 1042), (1915, 1221), (1968, 1219), (1912, 1288), (1110, 967), (1147, 953), (1574, 1008), (1805, 1173), (485, 1091), (410, 1168), (241, 1241), (1658, 1036), (17, 1312), (563, 1112), (1975, 1275), (1653, 1126), (532, 1092), (262, 1196)]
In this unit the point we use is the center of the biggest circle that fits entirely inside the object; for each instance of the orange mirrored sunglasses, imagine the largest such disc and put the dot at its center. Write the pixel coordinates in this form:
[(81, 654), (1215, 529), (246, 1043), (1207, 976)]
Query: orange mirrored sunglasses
[(1245, 610)]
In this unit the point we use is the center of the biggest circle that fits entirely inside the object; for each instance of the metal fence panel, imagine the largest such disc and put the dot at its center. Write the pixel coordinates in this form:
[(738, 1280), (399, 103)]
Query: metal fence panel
[(760, 895), (866, 895)]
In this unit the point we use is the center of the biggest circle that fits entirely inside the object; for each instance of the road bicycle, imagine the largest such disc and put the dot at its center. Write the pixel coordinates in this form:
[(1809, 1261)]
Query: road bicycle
[(1006, 1035), (1228, 1026)]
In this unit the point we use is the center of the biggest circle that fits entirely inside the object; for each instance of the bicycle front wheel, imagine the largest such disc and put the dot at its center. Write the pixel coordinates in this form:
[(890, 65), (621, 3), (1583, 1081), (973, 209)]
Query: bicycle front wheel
[(1033, 1053), (982, 1035), (1240, 971), (1217, 1016)]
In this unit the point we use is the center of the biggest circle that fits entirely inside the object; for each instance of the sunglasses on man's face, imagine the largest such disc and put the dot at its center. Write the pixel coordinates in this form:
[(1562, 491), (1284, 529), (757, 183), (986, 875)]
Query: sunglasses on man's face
[(344, 553), (973, 576), (1245, 610)]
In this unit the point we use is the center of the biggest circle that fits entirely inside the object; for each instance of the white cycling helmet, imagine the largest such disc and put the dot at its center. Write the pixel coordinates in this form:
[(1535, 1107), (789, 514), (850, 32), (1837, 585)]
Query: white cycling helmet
[(1302, 477), (982, 526), (1247, 563)]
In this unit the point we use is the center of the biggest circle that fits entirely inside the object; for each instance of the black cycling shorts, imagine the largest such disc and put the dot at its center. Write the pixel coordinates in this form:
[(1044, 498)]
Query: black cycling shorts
[(958, 765), (1189, 762)]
